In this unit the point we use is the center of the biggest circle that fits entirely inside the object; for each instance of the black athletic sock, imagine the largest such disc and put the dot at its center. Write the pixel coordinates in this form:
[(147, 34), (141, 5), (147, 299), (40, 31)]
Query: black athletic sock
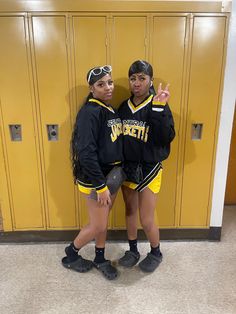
[(155, 250), (72, 250), (133, 245), (99, 258)]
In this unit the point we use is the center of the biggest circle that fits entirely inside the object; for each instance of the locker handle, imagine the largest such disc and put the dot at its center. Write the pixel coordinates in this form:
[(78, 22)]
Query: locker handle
[(52, 131), (196, 131), (15, 132)]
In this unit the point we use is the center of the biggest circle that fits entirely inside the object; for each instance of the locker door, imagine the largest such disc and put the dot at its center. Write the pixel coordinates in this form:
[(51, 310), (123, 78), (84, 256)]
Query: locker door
[(203, 102), (168, 36), (128, 44), (18, 111), (51, 61), (89, 36)]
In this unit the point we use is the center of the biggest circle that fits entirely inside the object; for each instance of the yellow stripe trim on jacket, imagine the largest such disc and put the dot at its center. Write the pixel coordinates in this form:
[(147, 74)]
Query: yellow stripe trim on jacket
[(159, 103), (101, 104), (102, 190), (140, 106)]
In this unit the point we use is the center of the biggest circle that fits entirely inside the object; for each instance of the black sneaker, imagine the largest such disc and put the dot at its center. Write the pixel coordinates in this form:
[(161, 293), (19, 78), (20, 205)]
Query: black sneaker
[(150, 262), (129, 259)]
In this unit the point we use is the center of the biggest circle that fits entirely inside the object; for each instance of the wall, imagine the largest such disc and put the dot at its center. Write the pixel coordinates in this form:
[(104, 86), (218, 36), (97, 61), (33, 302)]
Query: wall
[(230, 193)]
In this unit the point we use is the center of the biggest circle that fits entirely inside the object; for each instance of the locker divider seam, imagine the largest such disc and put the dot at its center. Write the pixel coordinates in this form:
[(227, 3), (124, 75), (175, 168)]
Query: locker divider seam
[(186, 83), (38, 116)]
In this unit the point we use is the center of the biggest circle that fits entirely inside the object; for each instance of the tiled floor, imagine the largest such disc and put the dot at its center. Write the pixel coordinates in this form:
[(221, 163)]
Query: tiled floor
[(194, 278)]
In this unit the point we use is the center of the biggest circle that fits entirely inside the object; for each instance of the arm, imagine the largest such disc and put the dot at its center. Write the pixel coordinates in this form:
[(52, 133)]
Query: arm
[(88, 126), (162, 123), (161, 118)]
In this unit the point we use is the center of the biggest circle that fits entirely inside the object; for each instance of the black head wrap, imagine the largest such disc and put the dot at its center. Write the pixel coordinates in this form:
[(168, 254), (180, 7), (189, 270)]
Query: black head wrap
[(97, 73)]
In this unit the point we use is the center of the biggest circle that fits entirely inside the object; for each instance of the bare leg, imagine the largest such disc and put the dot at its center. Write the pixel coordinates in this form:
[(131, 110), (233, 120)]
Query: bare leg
[(131, 257), (96, 229), (100, 239), (131, 208), (98, 219), (147, 203)]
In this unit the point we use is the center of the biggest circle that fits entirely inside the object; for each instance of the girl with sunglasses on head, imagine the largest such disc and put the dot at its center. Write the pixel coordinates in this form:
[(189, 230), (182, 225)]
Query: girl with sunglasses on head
[(148, 129), (96, 148)]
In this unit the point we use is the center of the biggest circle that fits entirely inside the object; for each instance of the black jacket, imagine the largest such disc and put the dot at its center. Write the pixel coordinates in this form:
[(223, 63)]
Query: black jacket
[(148, 130), (96, 143)]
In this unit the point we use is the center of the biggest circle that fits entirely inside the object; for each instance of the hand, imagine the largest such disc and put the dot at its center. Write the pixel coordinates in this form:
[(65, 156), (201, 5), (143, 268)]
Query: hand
[(162, 95), (104, 198)]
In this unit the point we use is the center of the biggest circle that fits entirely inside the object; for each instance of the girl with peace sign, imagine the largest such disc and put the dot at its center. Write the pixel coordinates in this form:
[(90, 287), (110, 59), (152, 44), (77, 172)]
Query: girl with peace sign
[(148, 129)]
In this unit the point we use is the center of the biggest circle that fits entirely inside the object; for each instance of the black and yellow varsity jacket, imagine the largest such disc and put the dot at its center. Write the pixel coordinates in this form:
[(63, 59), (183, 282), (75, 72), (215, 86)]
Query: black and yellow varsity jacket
[(148, 130), (97, 142)]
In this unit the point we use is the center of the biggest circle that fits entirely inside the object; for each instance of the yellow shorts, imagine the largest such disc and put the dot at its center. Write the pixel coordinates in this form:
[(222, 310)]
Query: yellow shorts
[(152, 181)]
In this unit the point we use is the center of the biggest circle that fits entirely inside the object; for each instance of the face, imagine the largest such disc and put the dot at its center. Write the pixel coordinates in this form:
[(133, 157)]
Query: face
[(139, 84), (103, 88)]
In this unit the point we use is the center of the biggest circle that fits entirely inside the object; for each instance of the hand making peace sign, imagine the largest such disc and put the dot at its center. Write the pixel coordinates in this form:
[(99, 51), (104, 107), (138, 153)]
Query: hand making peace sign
[(162, 95)]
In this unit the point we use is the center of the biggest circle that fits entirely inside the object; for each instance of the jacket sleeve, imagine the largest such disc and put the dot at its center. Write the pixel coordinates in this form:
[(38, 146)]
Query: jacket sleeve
[(89, 124), (162, 124)]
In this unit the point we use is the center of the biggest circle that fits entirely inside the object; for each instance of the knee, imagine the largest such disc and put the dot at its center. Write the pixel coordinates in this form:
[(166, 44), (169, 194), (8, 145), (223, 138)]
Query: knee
[(100, 228), (147, 224)]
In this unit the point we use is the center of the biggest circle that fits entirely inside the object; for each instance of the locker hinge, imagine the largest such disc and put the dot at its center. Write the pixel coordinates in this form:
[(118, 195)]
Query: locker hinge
[(106, 42), (145, 41)]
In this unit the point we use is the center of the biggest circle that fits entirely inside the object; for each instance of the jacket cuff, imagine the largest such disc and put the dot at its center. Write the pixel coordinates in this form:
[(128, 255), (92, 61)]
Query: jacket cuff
[(159, 103), (101, 189)]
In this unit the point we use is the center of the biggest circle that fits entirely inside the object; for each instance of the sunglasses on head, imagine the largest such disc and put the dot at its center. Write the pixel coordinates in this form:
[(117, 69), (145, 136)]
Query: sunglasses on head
[(98, 70)]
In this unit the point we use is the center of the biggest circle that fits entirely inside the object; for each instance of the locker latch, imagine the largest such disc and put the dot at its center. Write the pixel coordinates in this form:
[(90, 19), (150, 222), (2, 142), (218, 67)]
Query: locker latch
[(15, 132), (197, 131), (52, 130)]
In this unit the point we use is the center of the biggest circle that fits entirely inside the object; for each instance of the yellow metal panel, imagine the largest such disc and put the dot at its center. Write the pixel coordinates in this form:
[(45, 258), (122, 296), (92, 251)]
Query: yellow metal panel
[(115, 5), (90, 40), (203, 100), (169, 36), (129, 43), (49, 34), (17, 108), (5, 211)]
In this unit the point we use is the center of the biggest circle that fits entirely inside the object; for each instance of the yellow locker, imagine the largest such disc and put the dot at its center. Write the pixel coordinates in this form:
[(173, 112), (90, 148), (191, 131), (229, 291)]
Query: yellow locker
[(22, 162), (5, 208), (128, 44), (90, 49), (168, 36), (203, 103), (51, 67), (43, 87)]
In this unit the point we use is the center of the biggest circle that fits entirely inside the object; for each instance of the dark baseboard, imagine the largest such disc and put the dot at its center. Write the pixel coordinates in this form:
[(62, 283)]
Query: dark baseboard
[(212, 234)]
